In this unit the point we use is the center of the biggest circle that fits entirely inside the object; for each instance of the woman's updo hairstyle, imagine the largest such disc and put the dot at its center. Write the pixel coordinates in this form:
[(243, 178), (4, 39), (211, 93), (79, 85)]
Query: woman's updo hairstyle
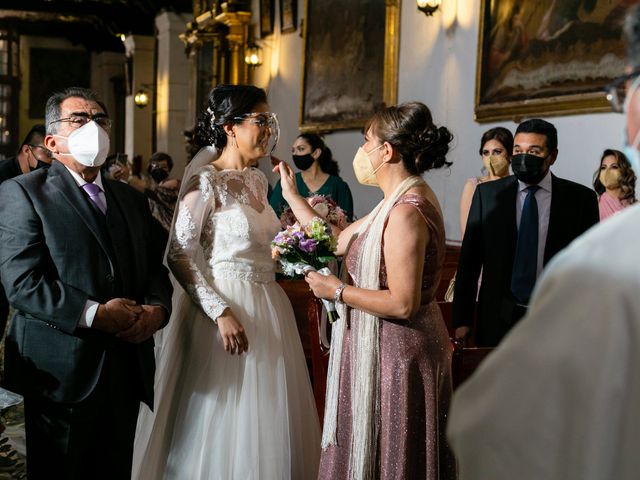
[(325, 161), (410, 129), (225, 104)]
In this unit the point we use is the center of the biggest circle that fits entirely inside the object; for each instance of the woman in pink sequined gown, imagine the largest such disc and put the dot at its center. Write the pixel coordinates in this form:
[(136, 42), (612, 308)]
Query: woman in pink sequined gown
[(389, 381)]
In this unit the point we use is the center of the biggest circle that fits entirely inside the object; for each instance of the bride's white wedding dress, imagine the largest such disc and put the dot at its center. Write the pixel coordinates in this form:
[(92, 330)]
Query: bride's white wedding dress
[(221, 416)]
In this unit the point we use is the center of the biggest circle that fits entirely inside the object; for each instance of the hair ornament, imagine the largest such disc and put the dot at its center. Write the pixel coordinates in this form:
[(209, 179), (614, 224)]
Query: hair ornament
[(213, 115)]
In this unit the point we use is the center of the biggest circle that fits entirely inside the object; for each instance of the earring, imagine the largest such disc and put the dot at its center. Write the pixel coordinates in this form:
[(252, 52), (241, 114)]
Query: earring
[(233, 141)]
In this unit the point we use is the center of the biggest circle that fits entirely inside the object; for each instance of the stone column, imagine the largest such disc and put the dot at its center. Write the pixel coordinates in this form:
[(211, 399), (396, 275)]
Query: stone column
[(238, 23), (172, 90), (138, 133), (105, 68)]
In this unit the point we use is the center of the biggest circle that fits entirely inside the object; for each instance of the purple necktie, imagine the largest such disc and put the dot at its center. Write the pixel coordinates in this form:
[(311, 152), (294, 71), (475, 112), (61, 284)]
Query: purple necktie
[(93, 191)]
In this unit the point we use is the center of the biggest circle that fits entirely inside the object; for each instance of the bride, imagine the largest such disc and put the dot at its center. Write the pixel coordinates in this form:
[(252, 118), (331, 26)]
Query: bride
[(233, 397)]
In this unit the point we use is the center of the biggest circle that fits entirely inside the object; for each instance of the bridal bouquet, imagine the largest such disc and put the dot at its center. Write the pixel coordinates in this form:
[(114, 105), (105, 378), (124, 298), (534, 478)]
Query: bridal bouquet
[(300, 249), (325, 207)]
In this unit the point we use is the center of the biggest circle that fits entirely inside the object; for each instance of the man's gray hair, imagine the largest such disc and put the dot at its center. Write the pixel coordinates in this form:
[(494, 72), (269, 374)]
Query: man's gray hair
[(632, 36), (52, 108)]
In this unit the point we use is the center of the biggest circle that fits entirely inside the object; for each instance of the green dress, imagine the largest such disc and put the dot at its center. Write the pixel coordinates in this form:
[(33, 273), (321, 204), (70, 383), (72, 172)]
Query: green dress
[(334, 187)]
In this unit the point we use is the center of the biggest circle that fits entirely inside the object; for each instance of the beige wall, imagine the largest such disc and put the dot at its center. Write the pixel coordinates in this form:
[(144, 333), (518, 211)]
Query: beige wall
[(437, 67)]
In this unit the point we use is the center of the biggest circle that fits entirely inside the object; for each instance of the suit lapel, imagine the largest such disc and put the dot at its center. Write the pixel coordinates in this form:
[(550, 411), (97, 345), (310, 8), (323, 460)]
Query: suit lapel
[(62, 180), (507, 200), (120, 225), (555, 216)]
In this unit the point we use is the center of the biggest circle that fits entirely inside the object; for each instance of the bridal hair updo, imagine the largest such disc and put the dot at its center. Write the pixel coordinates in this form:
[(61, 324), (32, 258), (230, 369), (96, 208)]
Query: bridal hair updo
[(409, 128), (226, 103)]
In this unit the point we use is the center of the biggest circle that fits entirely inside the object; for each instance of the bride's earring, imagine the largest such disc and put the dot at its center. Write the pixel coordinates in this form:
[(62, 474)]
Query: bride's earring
[(233, 141)]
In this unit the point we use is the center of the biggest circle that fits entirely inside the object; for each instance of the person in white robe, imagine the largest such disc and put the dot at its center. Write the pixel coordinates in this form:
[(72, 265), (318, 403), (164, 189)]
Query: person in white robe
[(560, 398)]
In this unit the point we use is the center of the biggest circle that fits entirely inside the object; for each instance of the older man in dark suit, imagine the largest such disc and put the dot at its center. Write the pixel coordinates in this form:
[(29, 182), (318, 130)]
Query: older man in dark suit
[(515, 226), (86, 281)]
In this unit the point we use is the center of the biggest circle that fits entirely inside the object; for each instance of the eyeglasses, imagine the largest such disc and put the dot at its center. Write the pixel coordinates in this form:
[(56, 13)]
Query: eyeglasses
[(45, 150), (154, 166), (260, 119), (618, 89), (77, 120)]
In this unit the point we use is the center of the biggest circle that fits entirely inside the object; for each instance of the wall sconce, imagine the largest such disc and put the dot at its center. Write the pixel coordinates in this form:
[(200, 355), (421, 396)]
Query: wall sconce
[(428, 7), (253, 55), (141, 98)]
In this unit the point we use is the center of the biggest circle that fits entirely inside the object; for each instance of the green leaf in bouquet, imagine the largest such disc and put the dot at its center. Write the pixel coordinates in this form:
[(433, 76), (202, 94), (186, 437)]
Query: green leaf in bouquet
[(326, 259)]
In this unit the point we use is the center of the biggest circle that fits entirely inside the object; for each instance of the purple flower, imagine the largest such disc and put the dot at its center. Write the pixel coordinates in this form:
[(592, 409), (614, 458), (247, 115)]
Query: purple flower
[(298, 236), (280, 238), (308, 245)]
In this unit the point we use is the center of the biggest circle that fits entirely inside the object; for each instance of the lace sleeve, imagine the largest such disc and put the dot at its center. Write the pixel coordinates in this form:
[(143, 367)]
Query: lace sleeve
[(194, 209)]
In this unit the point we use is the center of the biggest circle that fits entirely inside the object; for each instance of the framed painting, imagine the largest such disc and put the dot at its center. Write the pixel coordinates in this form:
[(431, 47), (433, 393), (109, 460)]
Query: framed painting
[(547, 57), (349, 62), (288, 15), (267, 14)]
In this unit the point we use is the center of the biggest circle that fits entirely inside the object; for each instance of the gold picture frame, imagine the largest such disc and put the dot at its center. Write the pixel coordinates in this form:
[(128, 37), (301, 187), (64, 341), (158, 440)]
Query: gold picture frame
[(349, 62), (546, 58)]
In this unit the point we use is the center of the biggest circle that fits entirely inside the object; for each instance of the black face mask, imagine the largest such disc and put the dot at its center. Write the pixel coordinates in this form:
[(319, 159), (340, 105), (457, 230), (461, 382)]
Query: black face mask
[(39, 164), (303, 162), (159, 175), (528, 168)]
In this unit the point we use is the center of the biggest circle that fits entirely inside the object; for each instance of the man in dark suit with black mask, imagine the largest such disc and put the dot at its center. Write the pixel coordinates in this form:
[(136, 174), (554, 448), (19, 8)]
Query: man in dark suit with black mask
[(515, 226), (86, 281)]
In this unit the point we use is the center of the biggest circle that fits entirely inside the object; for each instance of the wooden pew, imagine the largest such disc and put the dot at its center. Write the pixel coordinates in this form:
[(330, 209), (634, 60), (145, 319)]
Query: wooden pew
[(319, 355), (466, 357), (300, 296), (307, 311)]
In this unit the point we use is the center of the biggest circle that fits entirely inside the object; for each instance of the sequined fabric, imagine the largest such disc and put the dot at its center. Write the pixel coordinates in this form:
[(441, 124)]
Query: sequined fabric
[(415, 378)]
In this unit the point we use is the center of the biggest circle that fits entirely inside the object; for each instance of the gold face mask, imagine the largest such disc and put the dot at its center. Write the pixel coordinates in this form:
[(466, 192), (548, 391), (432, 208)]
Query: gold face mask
[(610, 178), (363, 168), (499, 165)]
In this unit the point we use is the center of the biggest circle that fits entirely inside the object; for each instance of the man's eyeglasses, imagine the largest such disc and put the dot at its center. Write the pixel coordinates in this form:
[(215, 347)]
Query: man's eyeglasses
[(260, 119), (79, 119), (618, 89), (45, 151)]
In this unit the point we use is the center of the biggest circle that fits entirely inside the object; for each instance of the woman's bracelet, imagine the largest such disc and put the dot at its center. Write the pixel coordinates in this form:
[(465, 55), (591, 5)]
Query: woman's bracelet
[(337, 297)]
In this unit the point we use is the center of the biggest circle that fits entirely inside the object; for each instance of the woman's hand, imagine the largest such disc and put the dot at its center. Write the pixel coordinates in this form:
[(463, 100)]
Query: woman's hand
[(232, 333), (287, 181), (322, 286)]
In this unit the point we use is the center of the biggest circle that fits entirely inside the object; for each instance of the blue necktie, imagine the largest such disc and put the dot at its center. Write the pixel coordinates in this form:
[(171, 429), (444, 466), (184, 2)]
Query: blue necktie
[(525, 262)]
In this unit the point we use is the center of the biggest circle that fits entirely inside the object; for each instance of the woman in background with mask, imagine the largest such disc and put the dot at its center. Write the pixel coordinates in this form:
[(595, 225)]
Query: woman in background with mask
[(389, 382), (319, 175), (615, 183), (495, 149), (163, 191)]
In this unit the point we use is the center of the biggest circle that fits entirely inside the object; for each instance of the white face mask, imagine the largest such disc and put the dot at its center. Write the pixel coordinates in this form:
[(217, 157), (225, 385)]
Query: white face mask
[(89, 144)]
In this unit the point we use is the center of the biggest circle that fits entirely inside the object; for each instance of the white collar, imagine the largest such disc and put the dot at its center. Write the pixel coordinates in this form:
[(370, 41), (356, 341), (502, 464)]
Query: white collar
[(81, 181), (544, 184)]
